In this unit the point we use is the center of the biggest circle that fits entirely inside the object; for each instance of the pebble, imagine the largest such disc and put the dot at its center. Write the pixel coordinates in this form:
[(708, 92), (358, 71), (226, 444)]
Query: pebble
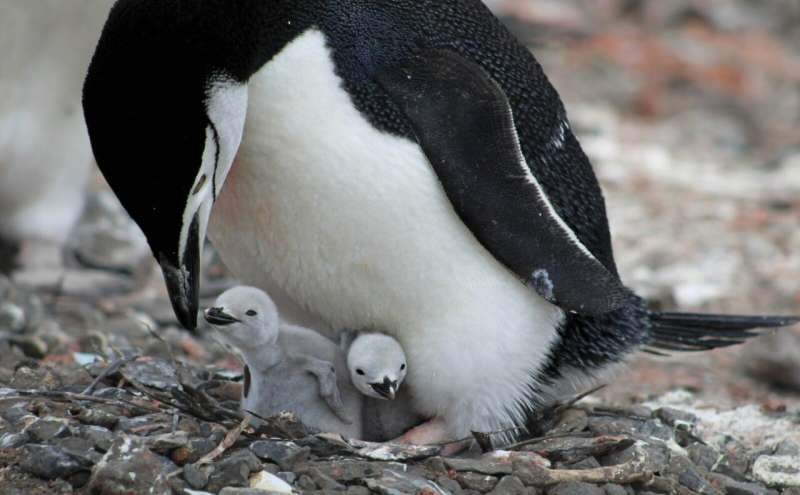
[(614, 489), (129, 467), (13, 440), (269, 482), (508, 485), (50, 462), (575, 488), (476, 481), (483, 465), (101, 438), (284, 454), (234, 470), (733, 487), (46, 429), (777, 470), (675, 417), (195, 476), (397, 483)]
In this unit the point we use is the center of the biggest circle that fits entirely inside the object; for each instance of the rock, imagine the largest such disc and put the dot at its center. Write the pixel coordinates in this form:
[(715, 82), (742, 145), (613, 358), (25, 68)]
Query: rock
[(571, 420), (284, 454), (193, 451), (306, 483), (358, 490), (166, 442), (12, 317), (152, 372), (230, 490), (476, 481), (574, 449), (734, 465), (269, 482), (675, 417), (46, 429), (97, 417), (449, 485), (777, 470), (393, 451), (50, 462), (80, 448), (195, 476), (347, 470), (508, 485), (32, 346), (693, 480), (588, 463), (787, 447), (398, 483), (614, 489), (575, 488), (703, 455), (234, 470), (129, 467), (13, 440), (323, 481), (732, 487), (101, 438), (531, 474), (484, 465)]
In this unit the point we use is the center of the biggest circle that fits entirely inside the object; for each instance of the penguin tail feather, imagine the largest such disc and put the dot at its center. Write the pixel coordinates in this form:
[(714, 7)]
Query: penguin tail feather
[(691, 332)]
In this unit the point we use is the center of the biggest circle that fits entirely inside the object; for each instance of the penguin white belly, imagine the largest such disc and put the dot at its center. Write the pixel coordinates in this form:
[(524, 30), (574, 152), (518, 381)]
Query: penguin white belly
[(353, 225)]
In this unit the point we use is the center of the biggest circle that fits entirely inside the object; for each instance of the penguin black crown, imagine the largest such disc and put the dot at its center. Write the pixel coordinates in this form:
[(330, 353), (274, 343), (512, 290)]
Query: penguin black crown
[(398, 165)]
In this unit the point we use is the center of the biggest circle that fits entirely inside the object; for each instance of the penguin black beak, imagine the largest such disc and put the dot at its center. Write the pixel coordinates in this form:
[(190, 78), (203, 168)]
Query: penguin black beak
[(386, 389), (182, 279), (218, 316)]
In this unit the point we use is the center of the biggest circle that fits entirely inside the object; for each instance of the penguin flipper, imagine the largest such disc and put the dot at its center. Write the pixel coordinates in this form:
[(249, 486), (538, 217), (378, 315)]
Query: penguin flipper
[(464, 123)]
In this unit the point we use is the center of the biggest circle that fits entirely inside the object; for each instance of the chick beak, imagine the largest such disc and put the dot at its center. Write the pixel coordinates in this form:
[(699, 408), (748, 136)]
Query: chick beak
[(386, 389), (218, 317)]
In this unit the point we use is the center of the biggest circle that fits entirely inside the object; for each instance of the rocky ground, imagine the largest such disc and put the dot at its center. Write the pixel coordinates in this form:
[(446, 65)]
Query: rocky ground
[(689, 110)]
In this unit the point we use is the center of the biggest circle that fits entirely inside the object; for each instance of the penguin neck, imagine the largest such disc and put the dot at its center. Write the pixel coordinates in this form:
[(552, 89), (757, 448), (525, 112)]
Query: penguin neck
[(261, 357)]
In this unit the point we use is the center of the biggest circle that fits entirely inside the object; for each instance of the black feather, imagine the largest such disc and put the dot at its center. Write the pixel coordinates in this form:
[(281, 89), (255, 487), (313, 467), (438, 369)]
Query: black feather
[(685, 332)]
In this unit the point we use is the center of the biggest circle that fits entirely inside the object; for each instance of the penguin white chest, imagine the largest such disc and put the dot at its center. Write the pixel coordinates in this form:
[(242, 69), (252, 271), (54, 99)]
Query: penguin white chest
[(353, 225)]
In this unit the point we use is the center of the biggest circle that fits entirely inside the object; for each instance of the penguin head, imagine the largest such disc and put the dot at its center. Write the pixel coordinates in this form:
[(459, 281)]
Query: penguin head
[(165, 100), (377, 365), (245, 317)]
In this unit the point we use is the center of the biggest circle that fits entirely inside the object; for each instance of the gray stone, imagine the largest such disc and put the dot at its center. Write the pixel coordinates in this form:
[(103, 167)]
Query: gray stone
[(614, 489), (508, 485), (675, 417), (97, 417), (588, 463), (778, 470), (234, 470), (155, 373), (357, 490), (101, 438), (230, 490), (161, 444), (398, 483), (347, 470), (284, 454), (703, 455), (46, 429), (575, 488), (733, 487), (787, 447), (693, 480), (483, 465), (476, 481), (449, 485), (574, 449), (734, 465), (129, 467), (13, 440), (571, 420), (306, 483), (79, 448), (12, 317), (50, 462), (324, 481), (195, 476)]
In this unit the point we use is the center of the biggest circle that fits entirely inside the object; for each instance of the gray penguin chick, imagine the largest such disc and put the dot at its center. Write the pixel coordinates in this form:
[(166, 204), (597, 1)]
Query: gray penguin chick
[(287, 368), (377, 365)]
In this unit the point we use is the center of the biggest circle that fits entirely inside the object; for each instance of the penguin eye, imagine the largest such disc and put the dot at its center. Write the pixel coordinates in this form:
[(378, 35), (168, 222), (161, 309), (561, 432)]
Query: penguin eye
[(360, 371), (251, 312), (402, 366)]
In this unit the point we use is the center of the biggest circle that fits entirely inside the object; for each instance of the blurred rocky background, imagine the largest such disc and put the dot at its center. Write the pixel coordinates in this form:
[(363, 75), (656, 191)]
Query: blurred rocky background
[(689, 110)]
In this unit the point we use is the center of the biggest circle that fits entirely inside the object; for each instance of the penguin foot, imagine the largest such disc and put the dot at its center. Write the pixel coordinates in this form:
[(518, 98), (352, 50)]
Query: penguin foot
[(433, 432)]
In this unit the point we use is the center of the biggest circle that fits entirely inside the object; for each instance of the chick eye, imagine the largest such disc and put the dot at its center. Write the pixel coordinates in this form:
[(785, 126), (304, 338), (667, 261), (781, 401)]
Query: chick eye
[(402, 366), (360, 371), (251, 312)]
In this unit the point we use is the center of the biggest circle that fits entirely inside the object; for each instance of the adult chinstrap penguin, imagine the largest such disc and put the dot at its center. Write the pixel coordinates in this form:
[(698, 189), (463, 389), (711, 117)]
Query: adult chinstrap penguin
[(400, 165)]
